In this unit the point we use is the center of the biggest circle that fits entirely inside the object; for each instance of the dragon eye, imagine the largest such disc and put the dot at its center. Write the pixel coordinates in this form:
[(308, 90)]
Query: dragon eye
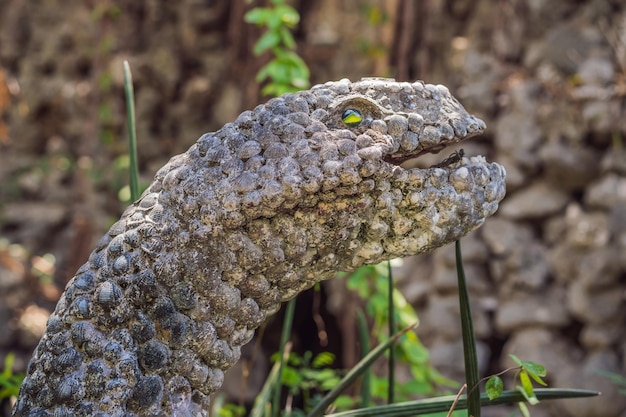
[(352, 117)]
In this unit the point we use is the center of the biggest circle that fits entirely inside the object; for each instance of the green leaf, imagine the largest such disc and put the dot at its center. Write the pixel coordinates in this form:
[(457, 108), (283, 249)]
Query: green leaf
[(344, 402), (330, 383), (534, 368), (414, 350), (526, 384), (291, 377), (258, 15), (267, 41), (536, 371), (8, 365), (527, 389), (323, 359), (415, 387), (494, 387), (517, 360), (294, 359), (288, 16), (523, 409), (263, 73), (286, 37)]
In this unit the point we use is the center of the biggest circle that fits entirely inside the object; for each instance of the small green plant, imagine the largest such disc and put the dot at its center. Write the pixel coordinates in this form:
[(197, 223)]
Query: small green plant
[(526, 370), (309, 376), (231, 410), (371, 283), (10, 382), (286, 72)]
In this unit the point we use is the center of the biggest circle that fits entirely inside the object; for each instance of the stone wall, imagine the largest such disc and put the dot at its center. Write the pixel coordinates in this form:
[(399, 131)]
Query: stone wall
[(547, 274)]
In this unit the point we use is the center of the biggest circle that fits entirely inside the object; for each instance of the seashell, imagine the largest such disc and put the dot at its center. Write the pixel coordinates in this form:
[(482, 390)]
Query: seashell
[(248, 150), (59, 341), (153, 355), (148, 391), (108, 294), (79, 332), (121, 264), (131, 238), (116, 246), (68, 361), (68, 389), (97, 259), (85, 281), (117, 228), (142, 329), (81, 308), (157, 213), (149, 200), (103, 242), (152, 246), (217, 154), (54, 324), (245, 182)]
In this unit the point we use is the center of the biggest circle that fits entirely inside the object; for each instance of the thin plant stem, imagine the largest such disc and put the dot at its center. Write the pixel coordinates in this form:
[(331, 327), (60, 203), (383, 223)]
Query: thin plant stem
[(443, 404), (262, 400), (469, 340), (284, 338), (392, 329), (132, 132), (355, 372), (366, 389)]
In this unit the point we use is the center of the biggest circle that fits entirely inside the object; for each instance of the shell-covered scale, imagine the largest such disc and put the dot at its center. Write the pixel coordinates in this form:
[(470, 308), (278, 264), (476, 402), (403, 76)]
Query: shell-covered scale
[(287, 195)]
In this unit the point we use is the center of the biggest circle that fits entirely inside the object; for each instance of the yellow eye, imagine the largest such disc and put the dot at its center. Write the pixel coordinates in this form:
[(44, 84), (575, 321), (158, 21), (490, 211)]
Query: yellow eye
[(352, 117)]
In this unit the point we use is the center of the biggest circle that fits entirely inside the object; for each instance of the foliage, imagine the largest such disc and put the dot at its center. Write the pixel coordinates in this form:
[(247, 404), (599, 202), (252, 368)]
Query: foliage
[(231, 410), (10, 382), (526, 371), (286, 72), (370, 282), (309, 376)]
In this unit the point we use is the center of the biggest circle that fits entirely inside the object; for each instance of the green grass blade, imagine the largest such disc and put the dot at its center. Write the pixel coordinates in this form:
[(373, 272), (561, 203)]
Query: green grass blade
[(355, 372), (442, 404), (263, 398), (284, 338), (132, 132), (364, 338), (391, 385), (469, 341)]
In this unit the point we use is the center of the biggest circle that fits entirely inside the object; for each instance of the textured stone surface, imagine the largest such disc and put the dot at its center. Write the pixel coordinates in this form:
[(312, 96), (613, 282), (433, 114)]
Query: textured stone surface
[(251, 215), (545, 309), (535, 201)]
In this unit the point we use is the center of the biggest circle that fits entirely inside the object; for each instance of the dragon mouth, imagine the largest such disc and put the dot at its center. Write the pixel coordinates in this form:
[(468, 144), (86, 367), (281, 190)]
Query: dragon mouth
[(433, 138), (398, 158)]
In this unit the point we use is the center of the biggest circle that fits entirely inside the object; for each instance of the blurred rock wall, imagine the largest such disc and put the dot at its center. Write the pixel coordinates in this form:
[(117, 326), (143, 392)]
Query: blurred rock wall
[(547, 273)]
